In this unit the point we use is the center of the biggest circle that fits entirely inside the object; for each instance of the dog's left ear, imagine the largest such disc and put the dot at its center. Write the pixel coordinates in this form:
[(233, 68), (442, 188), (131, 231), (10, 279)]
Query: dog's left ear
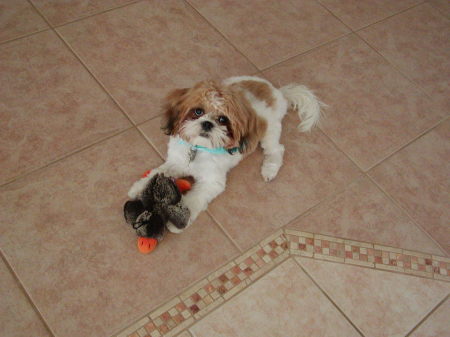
[(172, 110)]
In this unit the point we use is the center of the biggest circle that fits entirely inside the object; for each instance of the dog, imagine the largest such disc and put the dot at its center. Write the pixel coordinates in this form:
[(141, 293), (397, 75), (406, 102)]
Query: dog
[(213, 126)]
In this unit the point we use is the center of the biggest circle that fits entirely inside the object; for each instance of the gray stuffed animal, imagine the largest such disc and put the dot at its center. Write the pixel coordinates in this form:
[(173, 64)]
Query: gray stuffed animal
[(158, 204)]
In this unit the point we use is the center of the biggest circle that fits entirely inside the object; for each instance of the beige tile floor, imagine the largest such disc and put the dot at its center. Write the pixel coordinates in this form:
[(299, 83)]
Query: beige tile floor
[(81, 83)]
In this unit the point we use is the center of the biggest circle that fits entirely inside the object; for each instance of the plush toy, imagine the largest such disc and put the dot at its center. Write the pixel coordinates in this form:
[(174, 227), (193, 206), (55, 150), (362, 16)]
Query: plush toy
[(158, 204)]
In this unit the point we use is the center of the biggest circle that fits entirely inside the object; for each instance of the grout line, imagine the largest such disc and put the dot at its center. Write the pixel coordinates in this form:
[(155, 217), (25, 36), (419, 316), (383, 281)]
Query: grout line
[(150, 143), (30, 2), (437, 9), (334, 15), (228, 235), (346, 263), (334, 193), (379, 256), (149, 119), (167, 300), (366, 174), (316, 250), (356, 32), (393, 66), (221, 34), (121, 108), (95, 13), (65, 156), (324, 201), (336, 145), (409, 142), (275, 265), (328, 297), (309, 51), (25, 35), (388, 17), (225, 268), (397, 204), (26, 294), (406, 213), (428, 315)]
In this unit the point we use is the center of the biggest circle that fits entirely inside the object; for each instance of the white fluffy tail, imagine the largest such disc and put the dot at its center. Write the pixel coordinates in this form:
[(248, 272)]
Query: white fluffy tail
[(305, 102)]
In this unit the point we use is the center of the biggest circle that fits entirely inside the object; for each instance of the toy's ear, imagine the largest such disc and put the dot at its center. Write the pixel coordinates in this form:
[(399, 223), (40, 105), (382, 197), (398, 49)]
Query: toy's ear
[(172, 110)]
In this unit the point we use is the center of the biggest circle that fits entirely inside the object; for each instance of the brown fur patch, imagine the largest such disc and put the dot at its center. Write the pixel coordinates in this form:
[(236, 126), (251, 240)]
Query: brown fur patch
[(260, 90), (172, 110), (252, 128)]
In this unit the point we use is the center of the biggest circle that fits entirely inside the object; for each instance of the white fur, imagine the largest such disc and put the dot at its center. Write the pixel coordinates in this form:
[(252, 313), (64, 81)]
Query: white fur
[(191, 130), (210, 169), (305, 102)]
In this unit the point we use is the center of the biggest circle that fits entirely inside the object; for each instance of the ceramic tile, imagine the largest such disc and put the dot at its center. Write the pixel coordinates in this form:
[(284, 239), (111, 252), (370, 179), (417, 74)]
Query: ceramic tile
[(50, 104), (362, 212), (369, 102), (18, 18), (60, 12), (72, 234), (250, 209), (417, 177), (142, 51), (417, 43), (17, 316), (285, 302), (436, 324), (379, 303), (152, 131), (360, 13), (443, 6), (267, 31)]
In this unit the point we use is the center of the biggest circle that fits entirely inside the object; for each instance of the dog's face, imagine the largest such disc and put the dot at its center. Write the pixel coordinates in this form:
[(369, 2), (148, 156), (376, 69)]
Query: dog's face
[(210, 115)]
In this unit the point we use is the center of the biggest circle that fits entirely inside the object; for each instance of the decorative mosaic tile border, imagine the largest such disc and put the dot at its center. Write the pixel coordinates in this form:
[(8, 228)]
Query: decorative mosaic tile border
[(368, 255), (197, 301)]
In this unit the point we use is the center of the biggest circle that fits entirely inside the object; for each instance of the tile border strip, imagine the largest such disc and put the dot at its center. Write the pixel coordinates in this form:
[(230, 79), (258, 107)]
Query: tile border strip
[(370, 255), (219, 286)]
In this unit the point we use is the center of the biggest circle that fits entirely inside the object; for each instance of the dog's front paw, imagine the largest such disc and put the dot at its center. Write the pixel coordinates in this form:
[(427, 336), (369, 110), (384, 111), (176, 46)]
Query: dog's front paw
[(195, 205), (269, 171), (137, 188), (174, 229)]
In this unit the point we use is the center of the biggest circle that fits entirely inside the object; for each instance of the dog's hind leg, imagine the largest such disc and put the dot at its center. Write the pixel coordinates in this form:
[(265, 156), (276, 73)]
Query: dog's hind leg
[(273, 151)]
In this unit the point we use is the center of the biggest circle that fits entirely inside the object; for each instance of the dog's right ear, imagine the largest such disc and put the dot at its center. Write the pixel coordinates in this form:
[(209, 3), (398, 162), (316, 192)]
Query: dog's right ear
[(172, 110)]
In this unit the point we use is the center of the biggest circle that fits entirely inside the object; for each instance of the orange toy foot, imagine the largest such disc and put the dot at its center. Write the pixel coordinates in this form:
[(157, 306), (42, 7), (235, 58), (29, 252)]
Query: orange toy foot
[(183, 185), (146, 245)]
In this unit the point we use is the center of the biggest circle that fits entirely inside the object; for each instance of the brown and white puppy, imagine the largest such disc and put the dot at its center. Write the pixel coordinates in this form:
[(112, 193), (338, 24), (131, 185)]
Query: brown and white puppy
[(214, 125)]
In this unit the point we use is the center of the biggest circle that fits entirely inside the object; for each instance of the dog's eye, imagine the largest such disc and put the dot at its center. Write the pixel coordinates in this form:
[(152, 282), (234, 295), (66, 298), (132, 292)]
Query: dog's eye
[(198, 112), (223, 120)]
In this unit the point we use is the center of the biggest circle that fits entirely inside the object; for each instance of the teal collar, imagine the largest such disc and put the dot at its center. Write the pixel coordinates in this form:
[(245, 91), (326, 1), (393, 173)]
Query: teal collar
[(216, 150)]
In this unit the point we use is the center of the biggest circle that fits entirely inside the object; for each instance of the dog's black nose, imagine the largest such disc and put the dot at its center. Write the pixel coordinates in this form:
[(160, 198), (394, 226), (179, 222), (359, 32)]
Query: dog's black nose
[(207, 125)]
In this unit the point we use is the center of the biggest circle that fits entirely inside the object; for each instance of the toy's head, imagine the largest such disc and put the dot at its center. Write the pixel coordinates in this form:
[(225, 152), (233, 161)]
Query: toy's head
[(161, 190)]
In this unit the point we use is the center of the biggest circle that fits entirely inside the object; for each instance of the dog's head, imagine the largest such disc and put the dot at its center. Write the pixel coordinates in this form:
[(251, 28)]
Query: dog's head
[(213, 116)]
